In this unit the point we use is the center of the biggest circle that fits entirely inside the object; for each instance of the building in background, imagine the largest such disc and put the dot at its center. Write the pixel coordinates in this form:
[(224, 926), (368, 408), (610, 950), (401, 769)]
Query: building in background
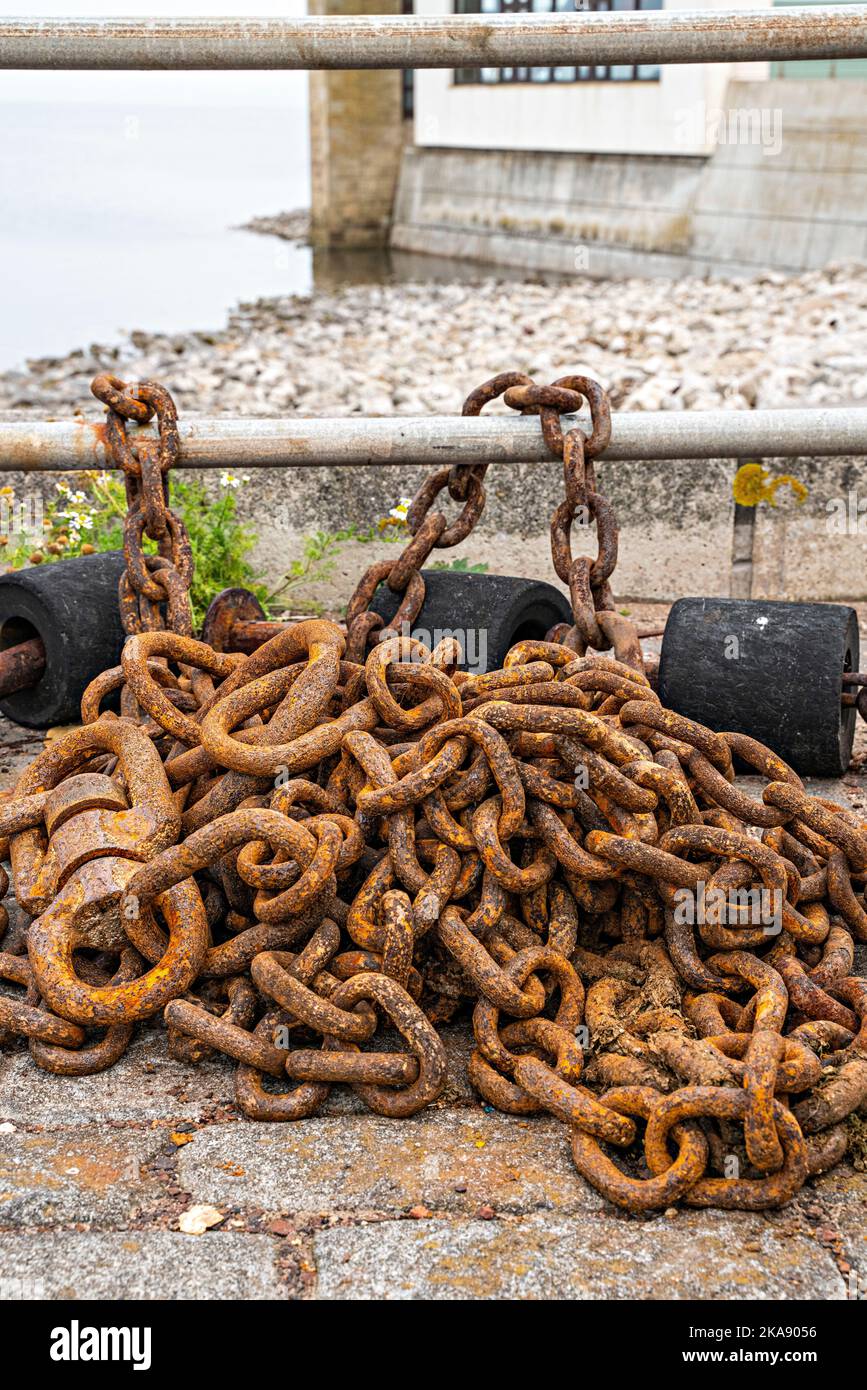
[(625, 169), (724, 167)]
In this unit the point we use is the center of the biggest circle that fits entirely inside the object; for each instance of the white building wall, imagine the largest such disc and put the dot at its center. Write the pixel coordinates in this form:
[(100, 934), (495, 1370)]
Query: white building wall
[(664, 117)]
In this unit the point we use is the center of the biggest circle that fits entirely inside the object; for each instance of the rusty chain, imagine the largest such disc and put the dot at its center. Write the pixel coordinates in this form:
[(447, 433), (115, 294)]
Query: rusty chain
[(429, 531), (596, 622), (303, 855), (154, 589)]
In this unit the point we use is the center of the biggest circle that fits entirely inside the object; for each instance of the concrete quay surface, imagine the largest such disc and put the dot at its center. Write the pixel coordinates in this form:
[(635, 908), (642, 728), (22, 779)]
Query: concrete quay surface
[(460, 1202)]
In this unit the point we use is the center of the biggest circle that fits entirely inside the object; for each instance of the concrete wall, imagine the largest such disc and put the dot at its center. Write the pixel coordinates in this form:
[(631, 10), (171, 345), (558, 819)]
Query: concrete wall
[(680, 532), (676, 522), (818, 549), (785, 187), (356, 138), (593, 213), (677, 527), (799, 207)]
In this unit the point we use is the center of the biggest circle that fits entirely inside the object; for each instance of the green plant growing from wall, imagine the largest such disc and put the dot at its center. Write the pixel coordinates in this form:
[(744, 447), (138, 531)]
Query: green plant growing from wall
[(86, 517)]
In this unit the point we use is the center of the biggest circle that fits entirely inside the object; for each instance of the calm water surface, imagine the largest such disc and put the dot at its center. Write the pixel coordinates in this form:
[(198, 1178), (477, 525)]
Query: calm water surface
[(111, 221), (118, 216)]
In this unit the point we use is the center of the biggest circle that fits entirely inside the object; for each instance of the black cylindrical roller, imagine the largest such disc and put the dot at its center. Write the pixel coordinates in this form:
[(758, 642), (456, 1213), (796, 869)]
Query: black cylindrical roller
[(72, 607), (772, 670), (488, 613)]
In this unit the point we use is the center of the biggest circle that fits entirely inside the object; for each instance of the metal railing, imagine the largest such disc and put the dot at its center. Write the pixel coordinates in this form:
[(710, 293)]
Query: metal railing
[(348, 441), (434, 41)]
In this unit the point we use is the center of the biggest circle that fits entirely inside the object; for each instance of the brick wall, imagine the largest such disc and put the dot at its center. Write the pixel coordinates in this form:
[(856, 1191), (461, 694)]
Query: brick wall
[(356, 138)]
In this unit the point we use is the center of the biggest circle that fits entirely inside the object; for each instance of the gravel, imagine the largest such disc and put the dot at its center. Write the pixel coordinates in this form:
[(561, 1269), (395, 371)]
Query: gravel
[(773, 340)]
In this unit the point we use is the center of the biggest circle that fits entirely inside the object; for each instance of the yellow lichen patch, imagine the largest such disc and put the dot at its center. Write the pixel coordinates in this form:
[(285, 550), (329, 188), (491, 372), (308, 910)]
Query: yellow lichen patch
[(753, 484), (799, 491)]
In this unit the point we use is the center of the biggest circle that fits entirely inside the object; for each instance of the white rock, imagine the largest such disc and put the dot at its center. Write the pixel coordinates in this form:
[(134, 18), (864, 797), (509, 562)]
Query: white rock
[(199, 1218)]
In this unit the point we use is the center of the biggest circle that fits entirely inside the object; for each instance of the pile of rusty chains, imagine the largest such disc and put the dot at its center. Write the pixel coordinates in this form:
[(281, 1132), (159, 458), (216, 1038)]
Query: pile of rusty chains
[(284, 851)]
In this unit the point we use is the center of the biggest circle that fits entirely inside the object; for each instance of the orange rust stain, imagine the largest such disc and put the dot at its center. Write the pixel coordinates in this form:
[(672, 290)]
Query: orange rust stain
[(99, 445), (95, 1172)]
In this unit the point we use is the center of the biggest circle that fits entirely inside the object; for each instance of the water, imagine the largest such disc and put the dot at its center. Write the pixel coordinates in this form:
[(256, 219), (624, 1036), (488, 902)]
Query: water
[(124, 214), (114, 217)]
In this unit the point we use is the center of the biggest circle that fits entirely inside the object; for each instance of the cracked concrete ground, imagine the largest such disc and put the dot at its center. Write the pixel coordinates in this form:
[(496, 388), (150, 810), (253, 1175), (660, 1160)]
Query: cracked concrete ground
[(96, 1171)]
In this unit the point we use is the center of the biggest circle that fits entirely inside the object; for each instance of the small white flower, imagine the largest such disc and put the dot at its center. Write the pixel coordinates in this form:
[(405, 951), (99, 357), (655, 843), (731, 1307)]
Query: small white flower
[(228, 479), (78, 519), (399, 511)]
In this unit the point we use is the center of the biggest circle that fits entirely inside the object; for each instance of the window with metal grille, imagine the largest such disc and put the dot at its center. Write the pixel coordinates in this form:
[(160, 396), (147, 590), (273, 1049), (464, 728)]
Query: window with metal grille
[(597, 72)]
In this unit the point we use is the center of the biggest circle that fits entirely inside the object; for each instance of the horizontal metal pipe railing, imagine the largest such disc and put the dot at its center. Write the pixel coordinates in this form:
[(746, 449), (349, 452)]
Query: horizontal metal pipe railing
[(438, 41), (224, 442)]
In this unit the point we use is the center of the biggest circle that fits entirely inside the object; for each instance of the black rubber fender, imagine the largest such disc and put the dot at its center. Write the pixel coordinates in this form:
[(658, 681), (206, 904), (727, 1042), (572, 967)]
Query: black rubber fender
[(488, 613), (72, 606), (769, 669)]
